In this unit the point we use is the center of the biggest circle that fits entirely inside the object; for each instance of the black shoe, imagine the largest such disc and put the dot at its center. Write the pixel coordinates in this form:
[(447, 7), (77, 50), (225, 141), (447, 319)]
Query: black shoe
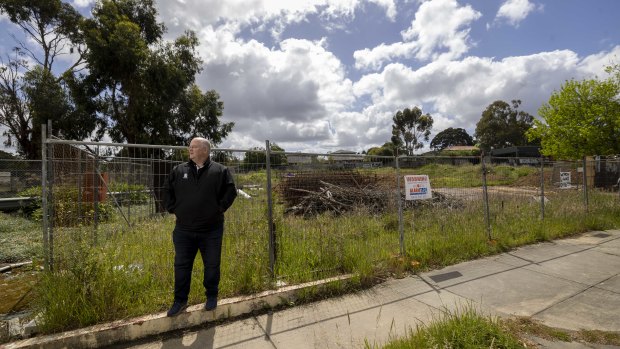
[(176, 308), (211, 303)]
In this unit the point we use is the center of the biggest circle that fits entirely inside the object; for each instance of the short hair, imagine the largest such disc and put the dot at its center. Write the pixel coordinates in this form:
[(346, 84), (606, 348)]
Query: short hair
[(205, 143)]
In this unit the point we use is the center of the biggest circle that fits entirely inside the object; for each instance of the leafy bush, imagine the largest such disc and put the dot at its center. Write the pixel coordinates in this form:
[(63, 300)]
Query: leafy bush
[(134, 194), (69, 208)]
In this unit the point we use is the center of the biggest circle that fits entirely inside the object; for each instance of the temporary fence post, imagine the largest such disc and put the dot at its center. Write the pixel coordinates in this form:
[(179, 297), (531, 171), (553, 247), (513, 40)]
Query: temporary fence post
[(50, 193), (79, 185), (486, 197), (153, 202), (272, 233), (585, 183), (542, 188), (44, 203), (96, 194), (400, 209)]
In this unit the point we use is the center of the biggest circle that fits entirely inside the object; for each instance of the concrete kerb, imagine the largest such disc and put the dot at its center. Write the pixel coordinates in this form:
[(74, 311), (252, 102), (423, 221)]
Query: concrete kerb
[(141, 327)]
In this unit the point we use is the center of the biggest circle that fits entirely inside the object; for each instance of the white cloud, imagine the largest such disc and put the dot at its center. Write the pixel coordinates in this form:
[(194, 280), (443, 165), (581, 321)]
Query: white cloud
[(388, 5), (83, 3), (456, 92), (515, 11), (288, 93), (298, 94), (268, 15), (439, 31)]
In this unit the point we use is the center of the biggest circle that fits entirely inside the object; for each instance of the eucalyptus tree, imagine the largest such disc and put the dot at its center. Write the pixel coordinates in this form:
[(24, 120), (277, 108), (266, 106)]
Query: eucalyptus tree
[(411, 129), (449, 137), (34, 86), (503, 125), (147, 85)]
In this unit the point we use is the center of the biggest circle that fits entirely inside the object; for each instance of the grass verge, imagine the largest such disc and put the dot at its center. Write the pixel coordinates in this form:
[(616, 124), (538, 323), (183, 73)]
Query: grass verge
[(462, 328), (467, 328)]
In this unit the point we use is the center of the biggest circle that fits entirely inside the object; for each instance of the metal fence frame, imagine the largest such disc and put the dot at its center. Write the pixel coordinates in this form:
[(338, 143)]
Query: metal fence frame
[(399, 164)]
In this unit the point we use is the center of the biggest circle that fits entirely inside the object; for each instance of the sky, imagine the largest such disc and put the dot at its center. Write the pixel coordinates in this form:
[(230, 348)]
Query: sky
[(326, 75)]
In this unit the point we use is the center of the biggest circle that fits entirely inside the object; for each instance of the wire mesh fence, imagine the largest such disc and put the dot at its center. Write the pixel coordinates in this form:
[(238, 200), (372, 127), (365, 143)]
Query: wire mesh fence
[(298, 217), (17, 175)]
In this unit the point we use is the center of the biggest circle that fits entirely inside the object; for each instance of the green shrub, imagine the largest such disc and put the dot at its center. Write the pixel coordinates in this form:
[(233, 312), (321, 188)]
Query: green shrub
[(68, 207), (134, 194)]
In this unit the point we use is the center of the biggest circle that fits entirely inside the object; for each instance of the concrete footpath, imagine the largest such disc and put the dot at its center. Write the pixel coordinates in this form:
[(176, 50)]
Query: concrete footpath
[(570, 284)]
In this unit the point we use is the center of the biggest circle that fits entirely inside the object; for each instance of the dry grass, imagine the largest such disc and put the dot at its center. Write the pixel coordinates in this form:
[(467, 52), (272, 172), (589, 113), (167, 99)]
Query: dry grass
[(525, 328)]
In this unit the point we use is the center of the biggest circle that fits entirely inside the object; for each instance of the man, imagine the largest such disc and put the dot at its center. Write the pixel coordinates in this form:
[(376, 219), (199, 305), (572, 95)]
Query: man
[(198, 192)]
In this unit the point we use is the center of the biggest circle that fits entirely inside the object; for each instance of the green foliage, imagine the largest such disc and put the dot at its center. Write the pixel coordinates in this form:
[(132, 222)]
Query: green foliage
[(134, 86), (449, 137), (147, 85), (457, 153), (119, 275), (91, 289), (256, 159), (465, 176), (387, 149), (581, 119), (503, 125), (410, 129), (253, 177), (31, 95), (69, 208), (461, 328), (134, 194)]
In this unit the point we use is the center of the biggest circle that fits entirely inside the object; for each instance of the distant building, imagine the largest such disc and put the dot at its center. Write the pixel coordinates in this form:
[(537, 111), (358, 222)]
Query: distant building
[(298, 159), (519, 155), (345, 156), (525, 151), (461, 148)]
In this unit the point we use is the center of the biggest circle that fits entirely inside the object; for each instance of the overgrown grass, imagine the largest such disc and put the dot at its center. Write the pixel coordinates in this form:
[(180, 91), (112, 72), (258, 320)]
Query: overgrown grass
[(20, 239), (465, 327), (462, 328), (527, 327), (117, 272), (469, 175)]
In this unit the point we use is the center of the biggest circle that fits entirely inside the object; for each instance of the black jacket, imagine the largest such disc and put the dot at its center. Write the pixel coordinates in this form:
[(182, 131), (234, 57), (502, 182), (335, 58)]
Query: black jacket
[(199, 198)]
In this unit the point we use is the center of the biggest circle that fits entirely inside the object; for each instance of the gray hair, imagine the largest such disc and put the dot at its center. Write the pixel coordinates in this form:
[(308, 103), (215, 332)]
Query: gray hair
[(205, 143)]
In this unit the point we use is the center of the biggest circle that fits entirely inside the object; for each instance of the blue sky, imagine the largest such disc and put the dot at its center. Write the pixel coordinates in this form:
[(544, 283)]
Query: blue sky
[(322, 75)]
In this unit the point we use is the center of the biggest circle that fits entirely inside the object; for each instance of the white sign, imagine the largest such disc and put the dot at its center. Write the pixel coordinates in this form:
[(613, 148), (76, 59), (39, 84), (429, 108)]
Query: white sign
[(417, 187), (564, 179)]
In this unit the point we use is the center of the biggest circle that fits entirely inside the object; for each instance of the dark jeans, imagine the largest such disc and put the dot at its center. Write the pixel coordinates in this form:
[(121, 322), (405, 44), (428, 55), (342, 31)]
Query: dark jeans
[(186, 246)]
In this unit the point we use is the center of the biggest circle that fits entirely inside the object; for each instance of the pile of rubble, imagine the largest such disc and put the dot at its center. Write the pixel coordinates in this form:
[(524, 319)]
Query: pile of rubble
[(310, 194), (338, 199)]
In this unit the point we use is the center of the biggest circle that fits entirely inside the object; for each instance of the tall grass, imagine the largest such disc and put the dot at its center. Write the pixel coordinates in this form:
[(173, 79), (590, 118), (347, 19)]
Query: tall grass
[(20, 239), (462, 328), (118, 272)]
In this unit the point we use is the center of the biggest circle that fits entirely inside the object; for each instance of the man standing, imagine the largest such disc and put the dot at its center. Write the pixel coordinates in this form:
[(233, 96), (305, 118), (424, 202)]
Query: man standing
[(198, 192)]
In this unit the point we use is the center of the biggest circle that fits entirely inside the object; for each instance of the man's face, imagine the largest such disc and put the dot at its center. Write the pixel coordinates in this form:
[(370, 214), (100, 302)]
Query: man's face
[(197, 151)]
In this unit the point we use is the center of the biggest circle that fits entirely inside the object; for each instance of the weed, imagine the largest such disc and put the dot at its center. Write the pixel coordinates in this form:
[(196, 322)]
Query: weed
[(461, 328)]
